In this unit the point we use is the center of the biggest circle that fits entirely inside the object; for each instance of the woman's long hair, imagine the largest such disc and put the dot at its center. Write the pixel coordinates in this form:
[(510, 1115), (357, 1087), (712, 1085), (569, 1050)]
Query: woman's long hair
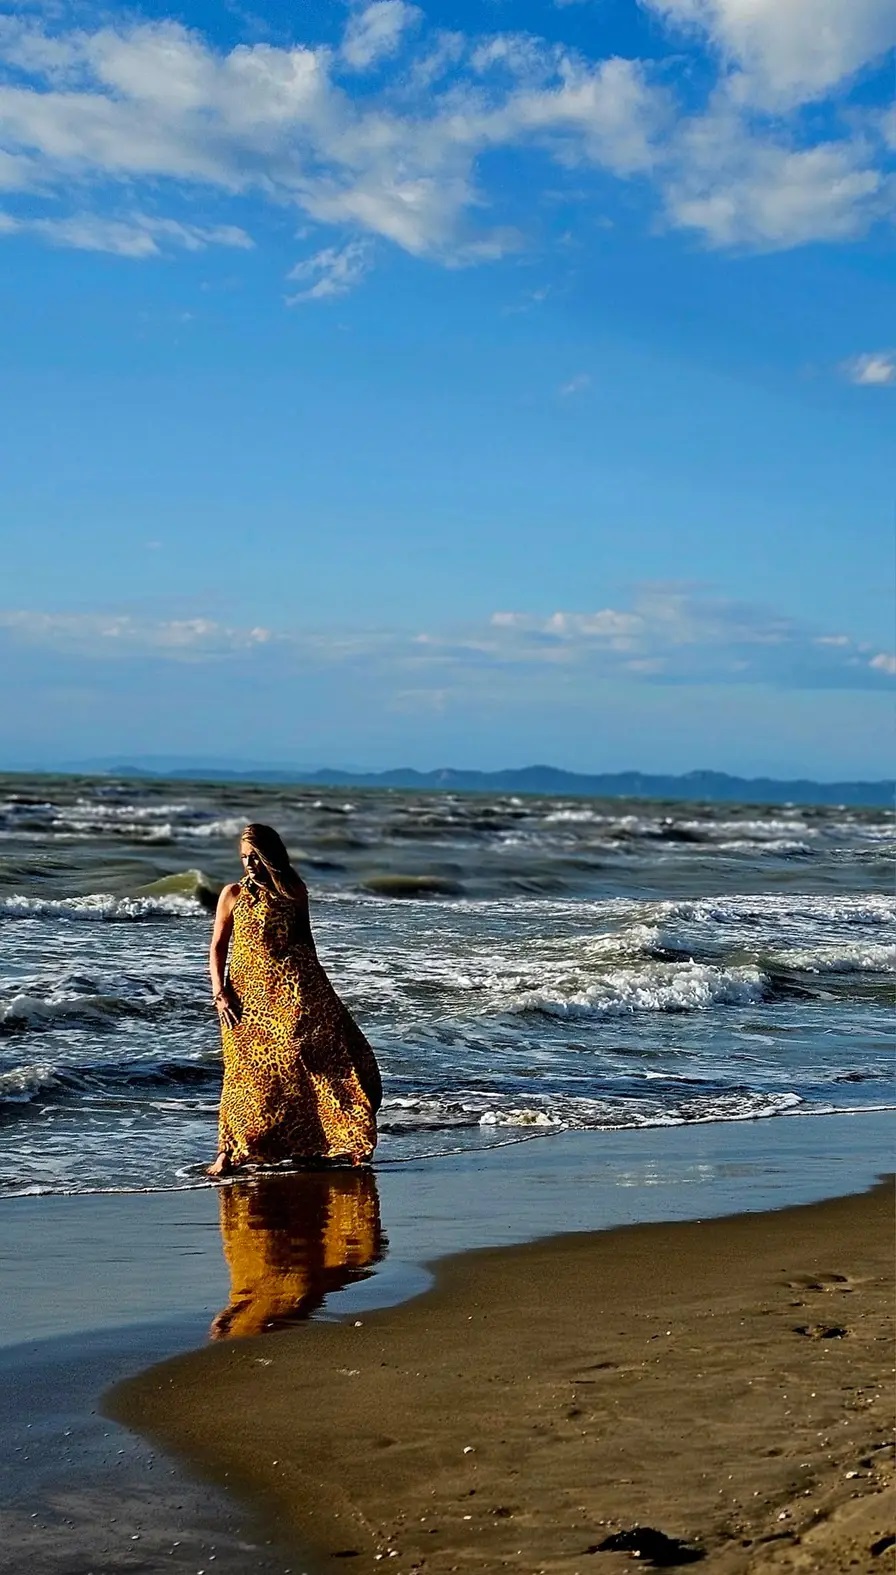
[(277, 872)]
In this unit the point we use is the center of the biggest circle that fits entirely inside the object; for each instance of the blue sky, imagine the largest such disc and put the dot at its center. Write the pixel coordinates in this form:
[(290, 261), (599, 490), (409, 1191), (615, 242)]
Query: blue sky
[(471, 384)]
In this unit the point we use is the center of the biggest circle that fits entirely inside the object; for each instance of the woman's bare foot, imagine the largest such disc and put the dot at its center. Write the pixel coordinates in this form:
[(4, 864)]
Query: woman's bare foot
[(220, 1167)]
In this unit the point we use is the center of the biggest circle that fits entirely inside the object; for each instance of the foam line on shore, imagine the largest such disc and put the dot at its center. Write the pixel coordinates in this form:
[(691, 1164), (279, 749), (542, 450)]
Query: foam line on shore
[(260, 1172)]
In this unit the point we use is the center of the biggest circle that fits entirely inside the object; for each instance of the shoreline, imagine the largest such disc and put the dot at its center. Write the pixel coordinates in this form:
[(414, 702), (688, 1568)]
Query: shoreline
[(156, 1257), (141, 1278), (726, 1382)]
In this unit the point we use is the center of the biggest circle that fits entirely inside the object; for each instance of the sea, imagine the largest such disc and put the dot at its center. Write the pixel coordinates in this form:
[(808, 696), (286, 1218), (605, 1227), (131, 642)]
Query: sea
[(521, 965)]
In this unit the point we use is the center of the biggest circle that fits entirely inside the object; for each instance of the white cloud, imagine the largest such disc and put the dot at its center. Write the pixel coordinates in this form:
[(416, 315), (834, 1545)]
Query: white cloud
[(17, 173), (669, 634), (110, 634), (789, 52), (138, 236), (677, 634), (331, 272), (145, 105), (742, 189), (875, 369), (155, 101), (375, 32), (604, 625), (747, 171), (605, 112)]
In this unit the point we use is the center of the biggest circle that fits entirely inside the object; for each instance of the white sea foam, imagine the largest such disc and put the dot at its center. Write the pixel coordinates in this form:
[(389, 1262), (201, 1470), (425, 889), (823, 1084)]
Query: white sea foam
[(26, 1010), (573, 817), (140, 823), (102, 906), (848, 957), (590, 1115), (148, 830), (87, 814), (772, 909), (103, 809), (556, 1112), (522, 1117), (660, 987), (23, 1083), (230, 827)]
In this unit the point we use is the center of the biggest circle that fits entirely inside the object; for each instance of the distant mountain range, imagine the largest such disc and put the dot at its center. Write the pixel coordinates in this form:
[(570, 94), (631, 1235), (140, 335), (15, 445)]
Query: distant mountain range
[(706, 786)]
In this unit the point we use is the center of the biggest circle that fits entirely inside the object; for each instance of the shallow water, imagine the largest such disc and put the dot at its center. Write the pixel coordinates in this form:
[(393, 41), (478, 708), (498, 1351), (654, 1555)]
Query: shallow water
[(517, 963)]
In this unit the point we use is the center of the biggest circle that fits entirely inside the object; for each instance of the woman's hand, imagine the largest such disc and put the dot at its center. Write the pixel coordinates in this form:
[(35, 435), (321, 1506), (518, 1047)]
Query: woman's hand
[(227, 1007)]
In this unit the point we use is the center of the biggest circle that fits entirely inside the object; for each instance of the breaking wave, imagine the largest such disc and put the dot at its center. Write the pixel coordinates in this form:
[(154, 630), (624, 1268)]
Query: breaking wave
[(103, 907), (664, 987)]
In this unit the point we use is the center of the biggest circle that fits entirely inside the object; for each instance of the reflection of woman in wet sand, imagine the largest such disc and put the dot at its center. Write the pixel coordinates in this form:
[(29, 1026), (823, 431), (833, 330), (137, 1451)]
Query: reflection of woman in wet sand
[(290, 1241), (300, 1079)]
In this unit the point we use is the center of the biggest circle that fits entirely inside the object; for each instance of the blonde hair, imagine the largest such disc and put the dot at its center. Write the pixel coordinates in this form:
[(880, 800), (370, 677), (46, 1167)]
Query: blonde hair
[(270, 849)]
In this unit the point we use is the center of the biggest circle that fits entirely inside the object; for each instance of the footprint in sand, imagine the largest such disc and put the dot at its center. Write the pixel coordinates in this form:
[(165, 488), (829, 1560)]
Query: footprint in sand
[(821, 1282), (822, 1331)]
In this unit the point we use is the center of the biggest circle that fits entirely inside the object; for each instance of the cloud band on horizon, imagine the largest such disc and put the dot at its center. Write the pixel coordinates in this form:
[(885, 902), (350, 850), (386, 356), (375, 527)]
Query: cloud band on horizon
[(670, 634)]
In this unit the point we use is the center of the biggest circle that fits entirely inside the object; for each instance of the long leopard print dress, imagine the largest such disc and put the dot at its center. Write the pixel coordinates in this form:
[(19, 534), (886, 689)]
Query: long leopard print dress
[(300, 1079)]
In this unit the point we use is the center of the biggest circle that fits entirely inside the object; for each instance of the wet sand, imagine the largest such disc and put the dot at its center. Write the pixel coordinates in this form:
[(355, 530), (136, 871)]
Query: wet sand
[(81, 1496), (95, 1288), (727, 1382)]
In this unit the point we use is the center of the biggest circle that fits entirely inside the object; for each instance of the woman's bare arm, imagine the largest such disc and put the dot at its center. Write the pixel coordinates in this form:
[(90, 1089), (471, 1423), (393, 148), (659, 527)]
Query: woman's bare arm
[(217, 955)]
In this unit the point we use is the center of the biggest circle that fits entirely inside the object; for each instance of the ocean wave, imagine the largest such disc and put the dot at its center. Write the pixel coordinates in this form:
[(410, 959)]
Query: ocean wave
[(854, 957), (26, 1011), (647, 825), (663, 987), (33, 1010), (231, 826), (782, 909), (774, 826), (103, 907), (100, 818), (21, 1084), (109, 811), (29, 1082), (183, 883), (574, 817), (707, 932), (410, 886), (781, 845), (154, 831)]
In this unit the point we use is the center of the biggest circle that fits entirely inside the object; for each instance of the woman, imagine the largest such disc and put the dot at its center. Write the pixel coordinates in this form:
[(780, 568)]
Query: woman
[(300, 1079)]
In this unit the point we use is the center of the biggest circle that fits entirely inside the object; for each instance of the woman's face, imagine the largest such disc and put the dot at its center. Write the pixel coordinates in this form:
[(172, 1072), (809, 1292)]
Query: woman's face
[(250, 860)]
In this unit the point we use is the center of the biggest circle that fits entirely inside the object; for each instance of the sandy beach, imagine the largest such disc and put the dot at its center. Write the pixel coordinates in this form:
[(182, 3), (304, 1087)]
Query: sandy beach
[(706, 1352), (727, 1383)]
